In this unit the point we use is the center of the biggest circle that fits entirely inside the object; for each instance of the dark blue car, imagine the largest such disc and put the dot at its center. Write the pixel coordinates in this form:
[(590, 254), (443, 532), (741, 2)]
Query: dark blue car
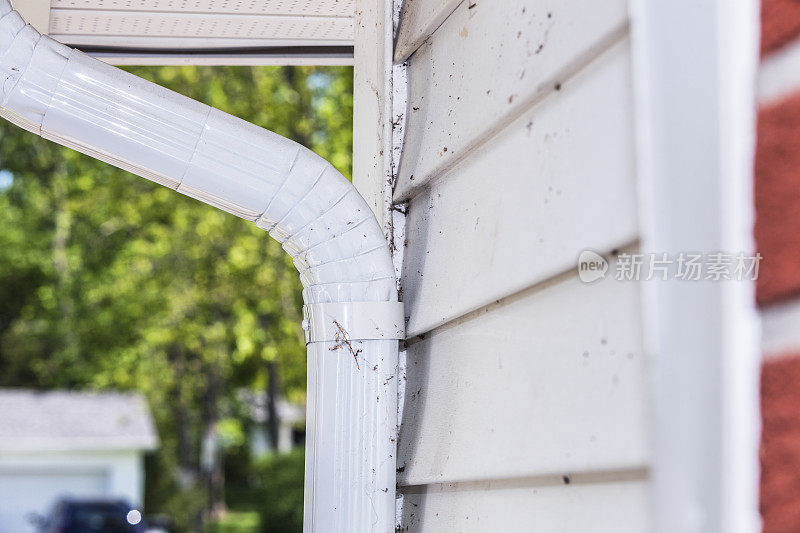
[(93, 516)]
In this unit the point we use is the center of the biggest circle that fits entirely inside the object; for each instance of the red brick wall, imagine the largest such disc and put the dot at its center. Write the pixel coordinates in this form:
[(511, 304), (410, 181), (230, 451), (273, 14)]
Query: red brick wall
[(780, 23), (777, 193), (777, 233), (780, 445)]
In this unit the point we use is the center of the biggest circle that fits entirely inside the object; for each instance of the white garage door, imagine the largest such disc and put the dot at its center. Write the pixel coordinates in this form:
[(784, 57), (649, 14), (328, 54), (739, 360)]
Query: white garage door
[(23, 492)]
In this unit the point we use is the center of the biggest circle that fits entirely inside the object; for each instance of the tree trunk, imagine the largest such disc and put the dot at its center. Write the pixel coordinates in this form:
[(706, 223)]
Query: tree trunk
[(64, 275), (187, 461), (214, 471), (273, 395)]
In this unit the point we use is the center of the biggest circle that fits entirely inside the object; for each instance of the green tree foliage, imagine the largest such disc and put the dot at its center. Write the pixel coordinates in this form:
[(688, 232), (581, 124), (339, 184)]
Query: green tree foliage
[(108, 281), (280, 485)]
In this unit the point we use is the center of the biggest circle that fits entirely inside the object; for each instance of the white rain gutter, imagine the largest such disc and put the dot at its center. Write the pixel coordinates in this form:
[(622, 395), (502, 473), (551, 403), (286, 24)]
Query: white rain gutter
[(352, 317)]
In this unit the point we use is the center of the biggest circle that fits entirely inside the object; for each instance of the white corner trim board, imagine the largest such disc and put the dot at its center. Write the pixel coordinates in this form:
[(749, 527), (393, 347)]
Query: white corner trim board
[(285, 189), (695, 138)]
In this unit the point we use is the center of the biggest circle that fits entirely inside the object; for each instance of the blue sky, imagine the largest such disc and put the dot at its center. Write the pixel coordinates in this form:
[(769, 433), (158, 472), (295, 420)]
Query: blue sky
[(6, 179)]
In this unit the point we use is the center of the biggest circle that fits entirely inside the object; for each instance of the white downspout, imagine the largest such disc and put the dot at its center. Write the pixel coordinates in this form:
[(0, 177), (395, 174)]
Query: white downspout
[(352, 317)]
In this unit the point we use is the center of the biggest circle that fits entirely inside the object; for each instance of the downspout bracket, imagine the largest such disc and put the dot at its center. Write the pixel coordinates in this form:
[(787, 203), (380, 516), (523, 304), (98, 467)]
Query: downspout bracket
[(353, 321)]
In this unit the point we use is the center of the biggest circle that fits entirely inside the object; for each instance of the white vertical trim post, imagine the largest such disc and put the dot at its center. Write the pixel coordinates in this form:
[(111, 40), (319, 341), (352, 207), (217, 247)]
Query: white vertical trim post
[(372, 177), (694, 69), (372, 104)]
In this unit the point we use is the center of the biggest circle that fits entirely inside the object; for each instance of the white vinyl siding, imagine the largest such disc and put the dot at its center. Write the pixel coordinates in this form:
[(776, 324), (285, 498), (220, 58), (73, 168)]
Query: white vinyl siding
[(546, 505), (519, 208), (545, 382), (526, 398), (485, 66)]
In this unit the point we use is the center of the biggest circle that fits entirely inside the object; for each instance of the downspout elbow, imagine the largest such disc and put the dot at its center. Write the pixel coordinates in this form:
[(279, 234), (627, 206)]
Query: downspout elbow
[(284, 188)]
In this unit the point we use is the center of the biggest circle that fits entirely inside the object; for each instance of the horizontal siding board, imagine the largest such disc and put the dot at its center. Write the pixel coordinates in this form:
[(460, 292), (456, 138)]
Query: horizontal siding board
[(519, 210), (549, 381), (418, 20), (620, 507), (486, 65)]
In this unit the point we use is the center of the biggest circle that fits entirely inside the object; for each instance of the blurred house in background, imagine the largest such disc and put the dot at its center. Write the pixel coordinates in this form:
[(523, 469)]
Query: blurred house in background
[(289, 426), (55, 444)]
